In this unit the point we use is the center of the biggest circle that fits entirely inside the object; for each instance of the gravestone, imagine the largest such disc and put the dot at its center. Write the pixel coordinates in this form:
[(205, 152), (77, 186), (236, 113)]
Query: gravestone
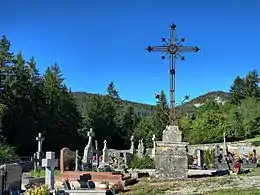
[(200, 156), (88, 151), (39, 152), (97, 153), (140, 149), (13, 173), (132, 148), (171, 159), (49, 163), (154, 146), (76, 160), (105, 153), (67, 160)]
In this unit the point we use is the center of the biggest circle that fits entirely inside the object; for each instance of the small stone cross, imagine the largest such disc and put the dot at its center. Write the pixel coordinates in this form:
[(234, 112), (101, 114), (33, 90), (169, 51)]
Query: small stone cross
[(40, 139), (49, 163), (153, 138), (90, 135), (105, 144)]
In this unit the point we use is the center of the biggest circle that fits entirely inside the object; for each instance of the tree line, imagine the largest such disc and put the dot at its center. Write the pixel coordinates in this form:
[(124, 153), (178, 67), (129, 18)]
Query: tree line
[(31, 102)]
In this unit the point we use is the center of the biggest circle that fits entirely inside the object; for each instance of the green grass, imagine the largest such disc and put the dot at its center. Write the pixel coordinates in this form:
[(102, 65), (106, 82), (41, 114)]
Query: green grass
[(249, 191), (254, 172), (257, 138), (41, 173)]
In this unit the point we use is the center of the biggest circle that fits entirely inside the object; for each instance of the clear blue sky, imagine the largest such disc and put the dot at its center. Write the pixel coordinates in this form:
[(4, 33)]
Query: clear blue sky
[(96, 42)]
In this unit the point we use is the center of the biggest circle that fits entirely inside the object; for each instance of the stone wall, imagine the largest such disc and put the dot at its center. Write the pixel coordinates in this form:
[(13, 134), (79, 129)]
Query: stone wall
[(233, 146)]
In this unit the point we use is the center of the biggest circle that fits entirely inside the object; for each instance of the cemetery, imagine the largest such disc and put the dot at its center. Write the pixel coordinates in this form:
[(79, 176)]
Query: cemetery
[(169, 165), (109, 171)]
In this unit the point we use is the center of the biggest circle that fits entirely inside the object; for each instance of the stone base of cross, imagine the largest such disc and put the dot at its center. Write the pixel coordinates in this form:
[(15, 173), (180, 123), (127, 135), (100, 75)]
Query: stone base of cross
[(49, 163)]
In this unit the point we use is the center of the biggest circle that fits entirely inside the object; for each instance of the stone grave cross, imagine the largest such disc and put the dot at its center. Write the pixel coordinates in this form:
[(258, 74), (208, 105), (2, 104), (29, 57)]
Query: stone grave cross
[(105, 153), (132, 144), (90, 135), (88, 151), (49, 163), (39, 154), (40, 139)]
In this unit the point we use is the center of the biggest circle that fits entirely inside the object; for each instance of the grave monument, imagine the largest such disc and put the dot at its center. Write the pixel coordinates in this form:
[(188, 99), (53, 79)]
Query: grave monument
[(171, 153), (39, 153), (49, 163), (88, 151)]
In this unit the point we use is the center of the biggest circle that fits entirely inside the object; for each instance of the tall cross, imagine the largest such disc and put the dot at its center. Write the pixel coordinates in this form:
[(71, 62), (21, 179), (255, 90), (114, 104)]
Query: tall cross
[(40, 139), (90, 135), (174, 49)]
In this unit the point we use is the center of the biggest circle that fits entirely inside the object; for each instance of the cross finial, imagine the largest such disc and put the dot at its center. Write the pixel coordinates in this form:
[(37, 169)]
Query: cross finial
[(39, 137), (153, 138), (105, 144), (132, 138), (91, 133)]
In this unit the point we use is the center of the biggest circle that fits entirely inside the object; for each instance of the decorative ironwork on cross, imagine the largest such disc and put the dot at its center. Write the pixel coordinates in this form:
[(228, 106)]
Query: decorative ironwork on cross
[(174, 48)]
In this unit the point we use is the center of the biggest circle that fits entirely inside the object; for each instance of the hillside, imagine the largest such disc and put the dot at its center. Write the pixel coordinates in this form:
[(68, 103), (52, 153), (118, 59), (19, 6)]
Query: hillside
[(83, 99), (191, 106)]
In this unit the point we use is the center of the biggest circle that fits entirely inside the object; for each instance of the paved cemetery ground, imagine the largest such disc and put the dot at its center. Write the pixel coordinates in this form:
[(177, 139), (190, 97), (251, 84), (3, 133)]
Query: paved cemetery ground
[(225, 185)]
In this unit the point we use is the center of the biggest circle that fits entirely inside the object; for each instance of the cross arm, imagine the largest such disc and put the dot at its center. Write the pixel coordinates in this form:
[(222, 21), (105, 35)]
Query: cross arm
[(188, 49), (157, 48)]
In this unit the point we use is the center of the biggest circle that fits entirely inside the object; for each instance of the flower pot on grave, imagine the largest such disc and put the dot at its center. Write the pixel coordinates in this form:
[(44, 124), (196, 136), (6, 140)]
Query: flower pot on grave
[(236, 168), (103, 186)]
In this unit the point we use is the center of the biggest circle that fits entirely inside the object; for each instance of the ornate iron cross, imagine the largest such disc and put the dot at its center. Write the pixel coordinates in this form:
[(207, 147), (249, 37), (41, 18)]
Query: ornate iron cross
[(174, 48)]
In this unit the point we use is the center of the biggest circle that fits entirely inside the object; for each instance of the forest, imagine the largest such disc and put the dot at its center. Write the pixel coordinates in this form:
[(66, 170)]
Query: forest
[(31, 102)]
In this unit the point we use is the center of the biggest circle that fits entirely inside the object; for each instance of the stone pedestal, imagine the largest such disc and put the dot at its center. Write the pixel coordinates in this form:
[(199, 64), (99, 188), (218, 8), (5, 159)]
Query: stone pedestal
[(171, 158)]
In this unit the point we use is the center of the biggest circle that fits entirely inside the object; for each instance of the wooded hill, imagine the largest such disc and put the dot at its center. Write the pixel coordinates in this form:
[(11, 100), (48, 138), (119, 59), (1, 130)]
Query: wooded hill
[(83, 100)]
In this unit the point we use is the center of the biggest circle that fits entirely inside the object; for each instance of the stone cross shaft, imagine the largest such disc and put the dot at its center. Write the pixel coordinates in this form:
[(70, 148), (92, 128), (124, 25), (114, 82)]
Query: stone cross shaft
[(174, 49), (105, 153), (49, 163), (40, 139)]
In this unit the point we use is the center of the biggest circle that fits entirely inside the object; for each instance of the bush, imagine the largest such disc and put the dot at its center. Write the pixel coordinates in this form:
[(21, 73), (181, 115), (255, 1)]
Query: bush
[(142, 163), (209, 157), (7, 152)]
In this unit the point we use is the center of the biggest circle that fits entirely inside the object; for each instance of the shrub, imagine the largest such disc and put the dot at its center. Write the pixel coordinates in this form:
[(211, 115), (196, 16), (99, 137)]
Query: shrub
[(209, 157), (142, 163), (7, 152)]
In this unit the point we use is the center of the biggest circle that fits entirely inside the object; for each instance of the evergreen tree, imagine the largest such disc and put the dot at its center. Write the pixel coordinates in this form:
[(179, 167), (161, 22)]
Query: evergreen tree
[(237, 90)]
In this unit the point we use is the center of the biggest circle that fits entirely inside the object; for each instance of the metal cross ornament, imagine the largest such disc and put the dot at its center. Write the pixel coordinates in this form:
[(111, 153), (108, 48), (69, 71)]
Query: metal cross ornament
[(174, 48)]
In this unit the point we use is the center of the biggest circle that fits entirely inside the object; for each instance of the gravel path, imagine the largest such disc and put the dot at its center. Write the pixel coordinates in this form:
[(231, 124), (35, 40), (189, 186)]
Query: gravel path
[(200, 185)]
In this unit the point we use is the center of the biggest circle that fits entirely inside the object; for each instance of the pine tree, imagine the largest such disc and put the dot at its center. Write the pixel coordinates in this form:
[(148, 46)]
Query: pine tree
[(237, 91)]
